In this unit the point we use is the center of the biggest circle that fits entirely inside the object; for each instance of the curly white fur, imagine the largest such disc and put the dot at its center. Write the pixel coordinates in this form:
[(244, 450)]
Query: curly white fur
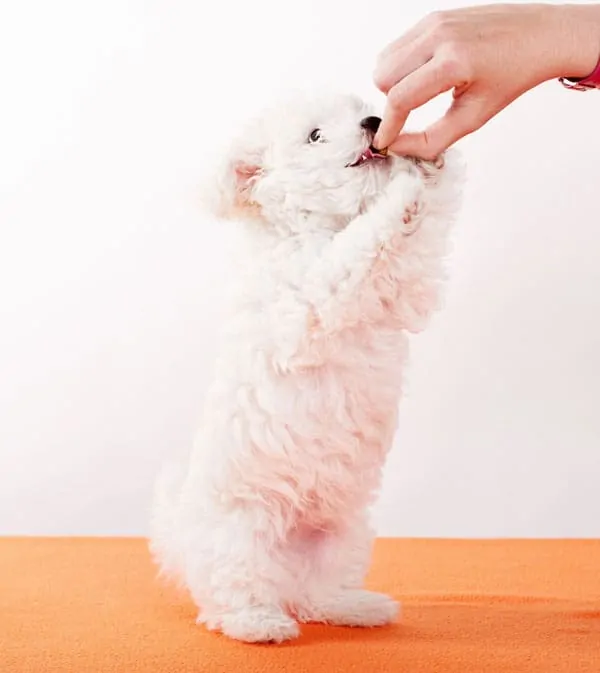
[(268, 525)]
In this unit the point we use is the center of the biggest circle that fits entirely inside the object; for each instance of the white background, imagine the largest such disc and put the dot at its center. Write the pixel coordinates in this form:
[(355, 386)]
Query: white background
[(110, 279)]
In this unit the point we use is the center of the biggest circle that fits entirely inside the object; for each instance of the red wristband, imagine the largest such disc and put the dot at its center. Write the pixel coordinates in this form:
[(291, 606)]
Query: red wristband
[(592, 81)]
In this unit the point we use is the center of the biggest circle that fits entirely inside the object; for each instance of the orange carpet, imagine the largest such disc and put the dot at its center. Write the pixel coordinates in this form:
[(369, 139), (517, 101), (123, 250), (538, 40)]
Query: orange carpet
[(93, 606)]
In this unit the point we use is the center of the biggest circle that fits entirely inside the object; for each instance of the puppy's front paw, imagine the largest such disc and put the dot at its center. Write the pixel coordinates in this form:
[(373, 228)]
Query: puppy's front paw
[(260, 624), (352, 608), (403, 201), (430, 169)]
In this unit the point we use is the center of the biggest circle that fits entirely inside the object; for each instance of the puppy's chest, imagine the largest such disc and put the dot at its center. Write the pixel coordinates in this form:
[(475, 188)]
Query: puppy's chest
[(288, 267), (275, 284)]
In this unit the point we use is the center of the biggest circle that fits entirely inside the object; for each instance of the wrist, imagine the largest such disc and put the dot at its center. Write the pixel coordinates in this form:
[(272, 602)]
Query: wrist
[(578, 35)]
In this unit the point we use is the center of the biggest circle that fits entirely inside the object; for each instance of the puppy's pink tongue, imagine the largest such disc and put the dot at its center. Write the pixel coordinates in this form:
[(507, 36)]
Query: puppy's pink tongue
[(365, 156)]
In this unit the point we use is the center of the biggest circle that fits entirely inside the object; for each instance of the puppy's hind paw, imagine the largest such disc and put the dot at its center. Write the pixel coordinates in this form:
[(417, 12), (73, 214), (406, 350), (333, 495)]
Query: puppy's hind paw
[(352, 608), (260, 624)]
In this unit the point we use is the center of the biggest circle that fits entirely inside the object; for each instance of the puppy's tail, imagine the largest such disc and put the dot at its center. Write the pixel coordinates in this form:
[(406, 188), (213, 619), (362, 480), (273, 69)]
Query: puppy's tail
[(165, 525)]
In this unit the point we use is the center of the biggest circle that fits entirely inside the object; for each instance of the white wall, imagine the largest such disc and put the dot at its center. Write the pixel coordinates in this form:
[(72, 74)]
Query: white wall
[(110, 280)]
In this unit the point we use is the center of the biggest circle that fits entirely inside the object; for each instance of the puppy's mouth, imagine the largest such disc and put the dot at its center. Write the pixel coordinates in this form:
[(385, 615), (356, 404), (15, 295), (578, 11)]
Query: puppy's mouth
[(368, 156)]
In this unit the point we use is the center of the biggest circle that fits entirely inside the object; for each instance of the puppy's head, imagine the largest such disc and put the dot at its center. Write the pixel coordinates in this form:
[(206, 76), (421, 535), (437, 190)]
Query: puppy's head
[(299, 165)]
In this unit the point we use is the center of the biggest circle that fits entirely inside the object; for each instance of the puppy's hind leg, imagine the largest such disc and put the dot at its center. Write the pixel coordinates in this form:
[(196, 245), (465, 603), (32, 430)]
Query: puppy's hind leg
[(335, 593), (246, 594)]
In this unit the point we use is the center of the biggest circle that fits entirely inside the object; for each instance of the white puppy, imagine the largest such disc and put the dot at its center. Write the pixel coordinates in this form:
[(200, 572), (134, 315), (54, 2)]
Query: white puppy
[(269, 525)]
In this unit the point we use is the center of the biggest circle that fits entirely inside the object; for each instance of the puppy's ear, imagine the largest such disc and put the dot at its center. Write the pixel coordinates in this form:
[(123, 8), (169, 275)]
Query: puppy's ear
[(229, 194)]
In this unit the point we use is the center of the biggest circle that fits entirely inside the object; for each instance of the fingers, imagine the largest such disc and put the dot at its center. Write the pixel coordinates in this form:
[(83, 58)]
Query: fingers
[(390, 54), (399, 63), (424, 32), (417, 88), (459, 121)]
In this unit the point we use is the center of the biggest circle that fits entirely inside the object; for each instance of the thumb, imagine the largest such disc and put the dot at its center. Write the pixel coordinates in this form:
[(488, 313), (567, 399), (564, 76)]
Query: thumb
[(458, 122)]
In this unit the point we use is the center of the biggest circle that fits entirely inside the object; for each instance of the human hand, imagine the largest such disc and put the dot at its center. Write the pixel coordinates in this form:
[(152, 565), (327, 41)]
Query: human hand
[(488, 56)]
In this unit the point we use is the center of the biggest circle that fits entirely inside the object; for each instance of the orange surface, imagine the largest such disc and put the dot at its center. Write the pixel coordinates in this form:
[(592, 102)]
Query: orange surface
[(93, 606)]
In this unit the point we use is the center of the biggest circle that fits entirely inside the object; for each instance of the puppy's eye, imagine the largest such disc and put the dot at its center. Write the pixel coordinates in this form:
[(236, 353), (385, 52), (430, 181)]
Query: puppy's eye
[(316, 136)]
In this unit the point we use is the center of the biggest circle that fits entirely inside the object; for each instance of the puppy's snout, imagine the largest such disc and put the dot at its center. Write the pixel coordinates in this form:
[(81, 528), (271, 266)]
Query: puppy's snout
[(370, 124)]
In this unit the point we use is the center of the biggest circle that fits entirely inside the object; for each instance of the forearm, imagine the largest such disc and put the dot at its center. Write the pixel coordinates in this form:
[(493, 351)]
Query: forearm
[(577, 31)]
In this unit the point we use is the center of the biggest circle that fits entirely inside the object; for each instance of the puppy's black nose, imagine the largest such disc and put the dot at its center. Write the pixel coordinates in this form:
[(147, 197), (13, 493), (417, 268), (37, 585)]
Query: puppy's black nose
[(370, 124)]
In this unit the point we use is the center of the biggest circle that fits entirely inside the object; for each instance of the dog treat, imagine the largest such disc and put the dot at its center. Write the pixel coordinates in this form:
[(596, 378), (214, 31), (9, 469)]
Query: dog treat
[(370, 154)]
